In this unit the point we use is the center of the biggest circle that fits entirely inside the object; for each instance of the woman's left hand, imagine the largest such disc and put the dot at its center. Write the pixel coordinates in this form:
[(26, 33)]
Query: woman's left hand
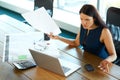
[(104, 66)]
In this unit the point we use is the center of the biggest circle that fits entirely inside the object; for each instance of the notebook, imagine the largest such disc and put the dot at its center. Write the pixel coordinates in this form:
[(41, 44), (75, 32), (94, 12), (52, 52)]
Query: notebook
[(54, 64)]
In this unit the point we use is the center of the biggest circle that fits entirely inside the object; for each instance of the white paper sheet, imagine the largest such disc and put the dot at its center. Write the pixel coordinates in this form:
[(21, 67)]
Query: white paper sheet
[(16, 46), (41, 20)]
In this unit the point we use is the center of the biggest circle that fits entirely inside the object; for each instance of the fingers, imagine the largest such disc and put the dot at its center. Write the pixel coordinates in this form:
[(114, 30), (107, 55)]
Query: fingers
[(104, 66), (51, 33), (52, 36)]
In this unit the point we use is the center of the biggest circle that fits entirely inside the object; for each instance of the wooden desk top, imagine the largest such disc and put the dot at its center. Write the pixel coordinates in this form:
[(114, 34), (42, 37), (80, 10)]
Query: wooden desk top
[(71, 54), (8, 72), (86, 57), (75, 55)]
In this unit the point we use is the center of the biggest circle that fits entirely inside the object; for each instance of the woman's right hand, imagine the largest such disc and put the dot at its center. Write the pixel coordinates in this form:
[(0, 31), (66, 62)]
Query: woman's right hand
[(105, 66), (53, 36)]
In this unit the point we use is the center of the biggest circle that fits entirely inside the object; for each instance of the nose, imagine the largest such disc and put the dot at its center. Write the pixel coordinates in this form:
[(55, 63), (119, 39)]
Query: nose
[(83, 22)]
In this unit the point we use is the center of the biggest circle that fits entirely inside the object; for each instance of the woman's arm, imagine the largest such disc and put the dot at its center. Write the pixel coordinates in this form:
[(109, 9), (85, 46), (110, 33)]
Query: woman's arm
[(68, 41), (108, 41), (106, 38)]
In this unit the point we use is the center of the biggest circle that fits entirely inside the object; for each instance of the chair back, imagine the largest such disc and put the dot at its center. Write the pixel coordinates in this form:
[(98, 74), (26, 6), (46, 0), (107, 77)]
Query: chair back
[(113, 22)]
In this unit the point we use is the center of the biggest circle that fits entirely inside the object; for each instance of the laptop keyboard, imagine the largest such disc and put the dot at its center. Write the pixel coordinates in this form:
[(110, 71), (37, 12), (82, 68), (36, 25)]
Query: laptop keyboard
[(65, 69)]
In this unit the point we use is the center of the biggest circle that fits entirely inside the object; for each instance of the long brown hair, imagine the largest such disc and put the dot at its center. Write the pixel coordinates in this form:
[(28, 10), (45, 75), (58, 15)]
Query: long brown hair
[(90, 10)]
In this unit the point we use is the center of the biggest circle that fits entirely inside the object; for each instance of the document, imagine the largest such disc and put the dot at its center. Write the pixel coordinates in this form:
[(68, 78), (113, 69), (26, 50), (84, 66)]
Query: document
[(16, 45), (41, 20)]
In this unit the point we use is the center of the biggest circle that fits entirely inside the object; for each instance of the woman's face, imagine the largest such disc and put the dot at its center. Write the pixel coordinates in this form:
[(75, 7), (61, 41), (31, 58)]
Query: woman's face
[(86, 21)]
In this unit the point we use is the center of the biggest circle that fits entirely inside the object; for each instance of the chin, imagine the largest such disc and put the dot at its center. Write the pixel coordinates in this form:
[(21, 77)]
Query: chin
[(85, 27)]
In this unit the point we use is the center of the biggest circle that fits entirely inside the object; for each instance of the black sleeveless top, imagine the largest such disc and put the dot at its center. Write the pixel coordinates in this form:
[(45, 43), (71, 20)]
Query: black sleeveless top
[(91, 42)]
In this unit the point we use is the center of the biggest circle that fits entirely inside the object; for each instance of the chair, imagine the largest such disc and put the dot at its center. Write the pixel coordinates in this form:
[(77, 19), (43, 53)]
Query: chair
[(47, 4), (113, 22)]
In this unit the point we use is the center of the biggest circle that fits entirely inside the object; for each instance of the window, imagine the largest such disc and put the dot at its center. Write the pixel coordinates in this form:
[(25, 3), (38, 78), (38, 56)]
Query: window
[(105, 4), (72, 5), (75, 5)]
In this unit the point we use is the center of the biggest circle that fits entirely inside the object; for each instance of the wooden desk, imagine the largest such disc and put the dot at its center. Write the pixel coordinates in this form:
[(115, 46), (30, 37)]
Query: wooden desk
[(8, 72), (75, 55), (91, 59), (71, 54)]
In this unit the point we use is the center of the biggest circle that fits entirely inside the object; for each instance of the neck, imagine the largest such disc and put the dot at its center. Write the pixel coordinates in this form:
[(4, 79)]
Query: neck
[(92, 27)]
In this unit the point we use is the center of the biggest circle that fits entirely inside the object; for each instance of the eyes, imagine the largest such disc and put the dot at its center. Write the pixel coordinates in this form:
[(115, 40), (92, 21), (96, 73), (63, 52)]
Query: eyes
[(85, 19)]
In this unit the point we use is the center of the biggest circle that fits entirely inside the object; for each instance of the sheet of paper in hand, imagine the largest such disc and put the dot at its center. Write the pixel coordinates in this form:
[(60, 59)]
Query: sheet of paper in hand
[(41, 20)]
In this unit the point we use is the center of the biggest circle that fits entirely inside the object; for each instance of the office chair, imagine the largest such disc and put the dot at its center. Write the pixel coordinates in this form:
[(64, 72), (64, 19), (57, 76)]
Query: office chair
[(47, 4), (113, 22)]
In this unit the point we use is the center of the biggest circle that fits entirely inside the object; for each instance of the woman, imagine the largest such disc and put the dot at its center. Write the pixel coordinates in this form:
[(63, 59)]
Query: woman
[(94, 36)]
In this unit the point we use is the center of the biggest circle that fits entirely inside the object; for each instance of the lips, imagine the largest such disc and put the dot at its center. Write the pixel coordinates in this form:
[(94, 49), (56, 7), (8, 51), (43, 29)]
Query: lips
[(84, 26)]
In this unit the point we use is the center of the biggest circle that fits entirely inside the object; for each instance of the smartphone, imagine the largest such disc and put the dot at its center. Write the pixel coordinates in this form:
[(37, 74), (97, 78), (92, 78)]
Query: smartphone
[(89, 67)]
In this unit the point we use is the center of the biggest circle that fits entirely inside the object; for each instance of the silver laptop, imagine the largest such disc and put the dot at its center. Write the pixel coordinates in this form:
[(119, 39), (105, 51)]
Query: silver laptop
[(53, 64)]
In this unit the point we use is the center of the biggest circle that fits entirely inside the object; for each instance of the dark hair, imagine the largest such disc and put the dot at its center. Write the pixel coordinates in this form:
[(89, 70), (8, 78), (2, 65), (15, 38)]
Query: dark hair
[(90, 10)]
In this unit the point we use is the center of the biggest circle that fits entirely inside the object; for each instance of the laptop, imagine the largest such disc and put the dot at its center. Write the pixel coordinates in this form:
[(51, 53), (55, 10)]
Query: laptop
[(54, 64)]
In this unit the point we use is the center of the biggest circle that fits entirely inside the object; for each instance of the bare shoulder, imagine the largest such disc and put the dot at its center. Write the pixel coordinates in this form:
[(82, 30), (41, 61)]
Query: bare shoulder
[(106, 34), (106, 31)]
